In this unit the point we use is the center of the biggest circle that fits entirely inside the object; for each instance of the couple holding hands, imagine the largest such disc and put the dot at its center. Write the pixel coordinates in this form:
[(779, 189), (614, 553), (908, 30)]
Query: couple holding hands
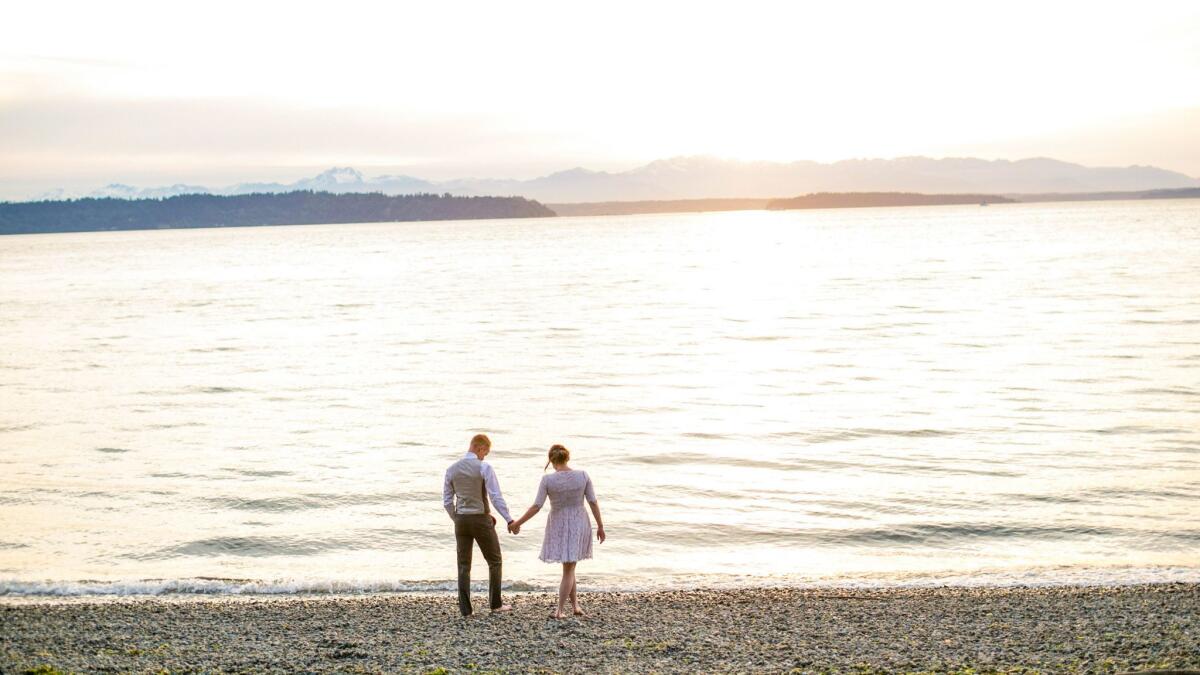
[(470, 483)]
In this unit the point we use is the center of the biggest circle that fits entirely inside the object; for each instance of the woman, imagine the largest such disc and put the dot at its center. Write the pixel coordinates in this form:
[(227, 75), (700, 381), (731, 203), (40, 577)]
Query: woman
[(568, 532)]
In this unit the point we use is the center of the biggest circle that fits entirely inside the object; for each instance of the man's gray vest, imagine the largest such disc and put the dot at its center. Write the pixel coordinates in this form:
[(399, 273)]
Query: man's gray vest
[(470, 493)]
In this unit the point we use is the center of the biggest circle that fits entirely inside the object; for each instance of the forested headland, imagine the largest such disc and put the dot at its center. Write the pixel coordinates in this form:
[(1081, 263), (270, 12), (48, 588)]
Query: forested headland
[(657, 206), (838, 200), (289, 208)]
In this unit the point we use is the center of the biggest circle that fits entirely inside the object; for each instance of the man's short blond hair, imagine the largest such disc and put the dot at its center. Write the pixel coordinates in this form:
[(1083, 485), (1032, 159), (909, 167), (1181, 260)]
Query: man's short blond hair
[(481, 441)]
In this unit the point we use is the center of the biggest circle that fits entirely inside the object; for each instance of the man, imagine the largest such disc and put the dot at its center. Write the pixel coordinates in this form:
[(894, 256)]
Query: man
[(469, 482)]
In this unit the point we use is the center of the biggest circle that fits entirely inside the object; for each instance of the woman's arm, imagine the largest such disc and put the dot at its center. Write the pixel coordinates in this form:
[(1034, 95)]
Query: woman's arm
[(515, 526), (595, 506), (589, 494)]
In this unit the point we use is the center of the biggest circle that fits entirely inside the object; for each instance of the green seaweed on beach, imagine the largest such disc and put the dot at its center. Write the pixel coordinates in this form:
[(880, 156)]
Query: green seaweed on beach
[(43, 669)]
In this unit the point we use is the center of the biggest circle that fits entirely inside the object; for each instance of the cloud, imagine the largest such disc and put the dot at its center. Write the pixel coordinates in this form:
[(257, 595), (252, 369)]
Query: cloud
[(1168, 139), (78, 142), (221, 127)]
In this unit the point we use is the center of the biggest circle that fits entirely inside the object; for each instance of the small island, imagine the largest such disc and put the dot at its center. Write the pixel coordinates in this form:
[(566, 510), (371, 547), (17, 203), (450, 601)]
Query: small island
[(844, 200), (301, 207)]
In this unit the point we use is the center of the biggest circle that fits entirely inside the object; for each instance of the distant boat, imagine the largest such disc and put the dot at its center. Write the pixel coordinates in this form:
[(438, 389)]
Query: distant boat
[(983, 203)]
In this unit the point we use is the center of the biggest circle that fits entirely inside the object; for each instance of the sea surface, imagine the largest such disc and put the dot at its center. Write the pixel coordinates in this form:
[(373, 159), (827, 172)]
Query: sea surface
[(954, 394)]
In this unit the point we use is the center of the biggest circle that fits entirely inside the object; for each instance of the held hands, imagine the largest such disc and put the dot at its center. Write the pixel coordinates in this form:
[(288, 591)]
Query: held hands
[(514, 527)]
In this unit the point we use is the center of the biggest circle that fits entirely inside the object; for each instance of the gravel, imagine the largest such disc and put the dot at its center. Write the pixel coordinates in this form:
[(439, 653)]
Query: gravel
[(950, 629)]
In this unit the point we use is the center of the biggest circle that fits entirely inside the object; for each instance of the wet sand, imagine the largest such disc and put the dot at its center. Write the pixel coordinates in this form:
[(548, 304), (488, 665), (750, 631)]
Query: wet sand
[(1064, 629)]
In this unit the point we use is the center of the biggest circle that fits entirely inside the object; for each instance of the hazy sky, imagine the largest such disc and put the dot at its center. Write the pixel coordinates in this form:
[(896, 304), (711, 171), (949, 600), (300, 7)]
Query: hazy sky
[(220, 92)]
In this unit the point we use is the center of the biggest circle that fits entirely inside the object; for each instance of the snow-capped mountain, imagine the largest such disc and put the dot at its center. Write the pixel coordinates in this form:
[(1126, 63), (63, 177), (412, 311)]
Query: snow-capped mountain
[(339, 179), (122, 191)]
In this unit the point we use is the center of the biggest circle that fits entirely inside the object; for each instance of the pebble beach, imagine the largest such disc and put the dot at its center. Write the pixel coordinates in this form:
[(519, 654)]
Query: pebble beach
[(947, 629)]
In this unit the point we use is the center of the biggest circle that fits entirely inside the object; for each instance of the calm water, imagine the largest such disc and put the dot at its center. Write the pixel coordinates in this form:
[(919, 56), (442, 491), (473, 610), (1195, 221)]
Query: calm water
[(874, 396)]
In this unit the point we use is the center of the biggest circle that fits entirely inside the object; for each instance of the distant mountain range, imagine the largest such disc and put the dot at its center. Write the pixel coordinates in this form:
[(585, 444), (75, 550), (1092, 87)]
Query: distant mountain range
[(709, 177)]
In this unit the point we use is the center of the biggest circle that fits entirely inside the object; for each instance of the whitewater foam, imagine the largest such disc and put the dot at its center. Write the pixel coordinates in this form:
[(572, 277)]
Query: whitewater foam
[(204, 586)]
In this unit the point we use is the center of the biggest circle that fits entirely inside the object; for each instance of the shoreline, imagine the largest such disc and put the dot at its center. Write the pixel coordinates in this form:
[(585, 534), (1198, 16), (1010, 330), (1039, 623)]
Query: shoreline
[(1090, 629), (99, 590), (1047, 577)]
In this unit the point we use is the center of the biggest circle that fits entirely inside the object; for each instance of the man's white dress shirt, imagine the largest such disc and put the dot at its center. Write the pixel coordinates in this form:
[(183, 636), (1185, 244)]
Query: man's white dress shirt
[(490, 484)]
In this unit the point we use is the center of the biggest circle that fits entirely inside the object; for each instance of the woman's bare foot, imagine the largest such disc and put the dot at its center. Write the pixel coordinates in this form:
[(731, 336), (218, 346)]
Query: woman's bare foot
[(556, 615)]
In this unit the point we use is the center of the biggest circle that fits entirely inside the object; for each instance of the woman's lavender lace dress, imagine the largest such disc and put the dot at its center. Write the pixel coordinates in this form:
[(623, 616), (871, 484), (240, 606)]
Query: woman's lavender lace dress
[(569, 530)]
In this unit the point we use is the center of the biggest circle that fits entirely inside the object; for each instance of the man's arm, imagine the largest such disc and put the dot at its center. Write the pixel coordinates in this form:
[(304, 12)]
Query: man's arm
[(493, 490), (448, 495)]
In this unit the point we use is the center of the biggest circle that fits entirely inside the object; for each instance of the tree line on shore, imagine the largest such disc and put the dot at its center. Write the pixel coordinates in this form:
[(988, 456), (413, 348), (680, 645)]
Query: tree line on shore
[(303, 207)]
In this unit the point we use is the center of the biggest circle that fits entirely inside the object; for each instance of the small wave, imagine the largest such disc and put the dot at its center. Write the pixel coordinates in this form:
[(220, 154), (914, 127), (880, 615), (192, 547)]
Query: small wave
[(758, 338), (216, 390), (246, 547), (177, 425), (1138, 429), (318, 500), (113, 450), (938, 536), (87, 494), (1181, 448), (587, 385), (693, 458), (258, 473), (839, 435), (282, 546), (1184, 491), (269, 504), (1169, 391), (911, 468), (1043, 498), (417, 496), (1163, 322)]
